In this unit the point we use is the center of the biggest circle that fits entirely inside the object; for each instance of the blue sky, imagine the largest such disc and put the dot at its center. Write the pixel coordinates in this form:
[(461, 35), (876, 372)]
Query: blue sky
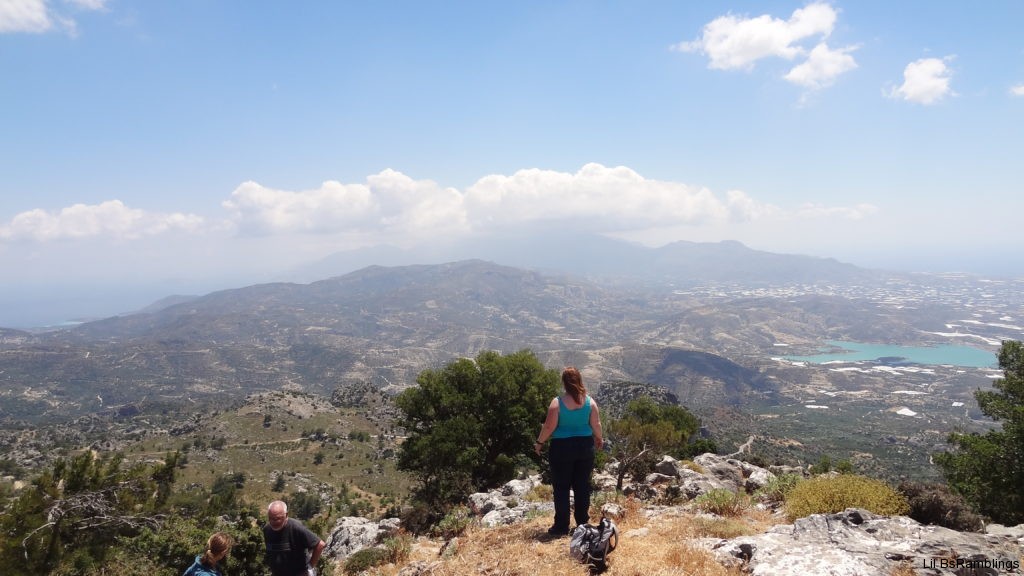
[(194, 145)]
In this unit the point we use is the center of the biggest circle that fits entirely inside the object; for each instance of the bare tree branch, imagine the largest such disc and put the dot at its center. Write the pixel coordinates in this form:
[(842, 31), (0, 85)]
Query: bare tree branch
[(94, 510)]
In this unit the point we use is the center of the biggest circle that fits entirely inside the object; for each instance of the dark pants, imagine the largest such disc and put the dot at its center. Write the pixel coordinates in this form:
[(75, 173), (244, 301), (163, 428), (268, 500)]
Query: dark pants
[(572, 461)]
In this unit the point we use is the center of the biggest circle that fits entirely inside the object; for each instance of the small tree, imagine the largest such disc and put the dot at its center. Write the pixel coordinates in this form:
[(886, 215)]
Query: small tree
[(988, 469), (305, 505), (649, 430), (79, 508), (470, 422)]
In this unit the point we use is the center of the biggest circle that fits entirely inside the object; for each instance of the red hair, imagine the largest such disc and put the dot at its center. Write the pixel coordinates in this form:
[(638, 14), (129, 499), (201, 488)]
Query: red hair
[(572, 381)]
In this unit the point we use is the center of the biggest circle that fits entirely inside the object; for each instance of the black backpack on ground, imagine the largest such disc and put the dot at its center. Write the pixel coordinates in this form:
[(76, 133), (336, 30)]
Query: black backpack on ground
[(592, 544)]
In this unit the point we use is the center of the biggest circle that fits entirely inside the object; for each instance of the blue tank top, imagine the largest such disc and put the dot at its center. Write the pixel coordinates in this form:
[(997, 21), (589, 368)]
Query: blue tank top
[(572, 423)]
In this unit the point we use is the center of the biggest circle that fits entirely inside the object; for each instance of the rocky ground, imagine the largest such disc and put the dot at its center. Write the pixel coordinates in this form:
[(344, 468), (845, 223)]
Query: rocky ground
[(681, 539)]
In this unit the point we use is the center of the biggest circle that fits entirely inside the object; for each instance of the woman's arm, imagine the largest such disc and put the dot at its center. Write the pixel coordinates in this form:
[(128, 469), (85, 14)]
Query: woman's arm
[(595, 425), (550, 423)]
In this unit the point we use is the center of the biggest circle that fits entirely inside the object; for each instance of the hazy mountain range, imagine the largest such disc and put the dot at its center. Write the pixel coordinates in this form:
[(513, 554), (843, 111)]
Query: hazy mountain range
[(704, 321), (595, 257), (607, 259)]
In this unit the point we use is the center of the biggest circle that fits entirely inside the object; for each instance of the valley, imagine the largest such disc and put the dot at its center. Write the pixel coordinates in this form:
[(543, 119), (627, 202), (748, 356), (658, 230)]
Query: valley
[(719, 346)]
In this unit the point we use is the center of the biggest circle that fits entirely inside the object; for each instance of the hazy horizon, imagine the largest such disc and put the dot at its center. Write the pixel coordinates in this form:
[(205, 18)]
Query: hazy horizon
[(51, 305), (153, 149)]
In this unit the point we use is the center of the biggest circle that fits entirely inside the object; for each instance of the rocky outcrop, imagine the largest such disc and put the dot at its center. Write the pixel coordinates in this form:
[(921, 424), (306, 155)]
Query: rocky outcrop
[(352, 533), (719, 473), (737, 474), (508, 504), (614, 396), (856, 542)]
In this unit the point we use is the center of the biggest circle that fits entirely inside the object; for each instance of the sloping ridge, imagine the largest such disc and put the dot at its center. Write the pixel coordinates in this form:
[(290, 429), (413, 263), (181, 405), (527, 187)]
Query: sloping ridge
[(358, 304), (679, 263), (705, 379)]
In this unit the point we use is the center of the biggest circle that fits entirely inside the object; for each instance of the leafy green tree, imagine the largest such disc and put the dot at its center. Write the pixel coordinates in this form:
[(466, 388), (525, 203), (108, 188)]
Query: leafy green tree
[(164, 475), (824, 465), (169, 549), (77, 509), (470, 423), (649, 430), (359, 435), (304, 505), (988, 469), (224, 492)]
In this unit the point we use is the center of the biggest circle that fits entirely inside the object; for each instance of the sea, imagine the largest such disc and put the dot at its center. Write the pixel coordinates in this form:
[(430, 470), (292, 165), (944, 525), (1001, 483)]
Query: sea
[(964, 356)]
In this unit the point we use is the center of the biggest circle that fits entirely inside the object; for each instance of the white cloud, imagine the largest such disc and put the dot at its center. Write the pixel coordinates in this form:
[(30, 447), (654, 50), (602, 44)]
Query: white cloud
[(24, 16), (393, 208), (925, 81), (822, 67), (389, 203), (1017, 90), (737, 43), (595, 197), (108, 219), (743, 208), (35, 16)]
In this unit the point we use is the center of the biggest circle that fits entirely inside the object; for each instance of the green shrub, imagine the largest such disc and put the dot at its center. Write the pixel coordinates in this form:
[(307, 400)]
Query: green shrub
[(698, 447), (541, 493), (454, 523), (304, 505), (827, 495), (936, 504), (169, 549), (721, 501), (823, 466), (756, 459), (775, 491), (399, 548), (365, 559), (419, 517)]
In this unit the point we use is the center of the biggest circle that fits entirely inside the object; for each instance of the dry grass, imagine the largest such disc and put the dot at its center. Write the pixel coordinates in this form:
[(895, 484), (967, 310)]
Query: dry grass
[(905, 569), (657, 548)]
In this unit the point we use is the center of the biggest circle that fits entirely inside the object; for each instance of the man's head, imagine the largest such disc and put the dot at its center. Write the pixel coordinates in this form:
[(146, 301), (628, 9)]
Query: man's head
[(277, 514)]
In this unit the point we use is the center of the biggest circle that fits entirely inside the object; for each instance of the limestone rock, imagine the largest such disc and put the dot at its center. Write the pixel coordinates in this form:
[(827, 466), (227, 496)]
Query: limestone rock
[(505, 516), (482, 503), (517, 488), (856, 542), (735, 474), (605, 482), (353, 533), (613, 511)]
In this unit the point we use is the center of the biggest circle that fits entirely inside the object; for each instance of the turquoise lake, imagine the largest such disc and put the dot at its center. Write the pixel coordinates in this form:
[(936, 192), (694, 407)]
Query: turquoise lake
[(965, 356)]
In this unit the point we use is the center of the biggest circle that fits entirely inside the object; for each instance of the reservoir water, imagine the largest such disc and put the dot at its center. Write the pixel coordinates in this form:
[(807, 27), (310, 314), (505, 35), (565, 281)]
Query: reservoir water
[(965, 356)]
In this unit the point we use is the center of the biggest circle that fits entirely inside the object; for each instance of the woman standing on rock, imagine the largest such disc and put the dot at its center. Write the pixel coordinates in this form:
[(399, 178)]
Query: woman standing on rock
[(573, 424)]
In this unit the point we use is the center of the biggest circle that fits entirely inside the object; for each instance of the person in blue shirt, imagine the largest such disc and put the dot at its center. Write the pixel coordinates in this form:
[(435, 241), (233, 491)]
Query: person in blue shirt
[(573, 423), (217, 548)]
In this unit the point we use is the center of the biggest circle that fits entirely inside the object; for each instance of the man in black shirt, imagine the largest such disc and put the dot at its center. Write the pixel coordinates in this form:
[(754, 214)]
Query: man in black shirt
[(287, 542)]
